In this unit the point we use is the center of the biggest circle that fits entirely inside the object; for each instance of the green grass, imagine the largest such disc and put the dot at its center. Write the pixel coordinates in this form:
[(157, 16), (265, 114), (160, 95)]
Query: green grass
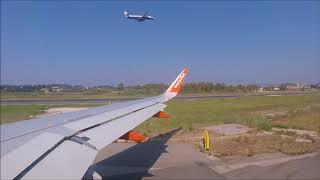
[(12, 113), (246, 110), (40, 96), (192, 114)]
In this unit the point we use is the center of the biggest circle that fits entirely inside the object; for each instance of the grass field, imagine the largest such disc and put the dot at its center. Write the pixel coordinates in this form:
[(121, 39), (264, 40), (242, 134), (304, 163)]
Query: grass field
[(309, 120), (12, 113), (250, 111), (192, 114), (122, 94), (39, 96)]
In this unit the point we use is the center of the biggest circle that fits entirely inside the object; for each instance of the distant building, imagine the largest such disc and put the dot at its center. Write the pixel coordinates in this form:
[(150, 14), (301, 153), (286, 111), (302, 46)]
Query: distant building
[(260, 89), (307, 86), (44, 90), (296, 87), (56, 90), (276, 89)]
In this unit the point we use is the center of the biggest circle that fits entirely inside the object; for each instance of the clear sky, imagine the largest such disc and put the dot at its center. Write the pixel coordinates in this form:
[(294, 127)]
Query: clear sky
[(91, 43)]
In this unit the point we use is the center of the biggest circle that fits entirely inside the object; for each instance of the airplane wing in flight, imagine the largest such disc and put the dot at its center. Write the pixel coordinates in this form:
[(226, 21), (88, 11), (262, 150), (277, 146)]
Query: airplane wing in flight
[(64, 146)]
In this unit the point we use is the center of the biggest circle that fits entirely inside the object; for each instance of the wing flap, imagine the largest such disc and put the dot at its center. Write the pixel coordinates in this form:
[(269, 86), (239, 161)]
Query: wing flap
[(69, 160), (17, 160)]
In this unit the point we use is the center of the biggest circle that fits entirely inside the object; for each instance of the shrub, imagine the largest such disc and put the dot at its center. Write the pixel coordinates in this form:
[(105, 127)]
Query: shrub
[(256, 122)]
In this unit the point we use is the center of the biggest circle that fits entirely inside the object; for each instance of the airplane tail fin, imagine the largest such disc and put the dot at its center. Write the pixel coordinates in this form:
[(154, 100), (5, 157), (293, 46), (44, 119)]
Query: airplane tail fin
[(125, 13), (146, 13), (175, 87)]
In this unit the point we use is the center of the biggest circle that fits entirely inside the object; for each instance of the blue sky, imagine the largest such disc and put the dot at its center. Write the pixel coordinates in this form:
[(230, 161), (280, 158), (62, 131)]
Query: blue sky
[(91, 43)]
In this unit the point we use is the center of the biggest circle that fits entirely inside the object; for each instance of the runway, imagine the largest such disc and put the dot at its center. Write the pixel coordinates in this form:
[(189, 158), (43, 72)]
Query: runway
[(113, 100)]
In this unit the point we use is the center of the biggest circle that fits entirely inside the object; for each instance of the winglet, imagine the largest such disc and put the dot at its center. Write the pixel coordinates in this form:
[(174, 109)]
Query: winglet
[(175, 87)]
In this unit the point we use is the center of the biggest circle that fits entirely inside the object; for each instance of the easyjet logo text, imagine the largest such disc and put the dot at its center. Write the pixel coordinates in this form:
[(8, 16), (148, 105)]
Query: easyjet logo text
[(180, 80)]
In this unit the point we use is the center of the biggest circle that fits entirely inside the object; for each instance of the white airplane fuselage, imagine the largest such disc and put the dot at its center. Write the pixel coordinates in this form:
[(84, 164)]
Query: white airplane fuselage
[(138, 17)]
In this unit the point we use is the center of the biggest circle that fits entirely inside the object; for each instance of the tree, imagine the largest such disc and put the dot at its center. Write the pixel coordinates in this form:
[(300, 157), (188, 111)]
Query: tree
[(120, 87)]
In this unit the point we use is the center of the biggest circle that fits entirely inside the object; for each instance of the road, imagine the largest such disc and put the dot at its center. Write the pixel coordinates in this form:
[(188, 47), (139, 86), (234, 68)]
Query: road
[(92, 101)]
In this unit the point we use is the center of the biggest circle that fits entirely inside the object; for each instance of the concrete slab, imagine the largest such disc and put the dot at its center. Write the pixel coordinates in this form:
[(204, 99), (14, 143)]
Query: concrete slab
[(229, 129), (229, 164), (61, 110), (304, 168)]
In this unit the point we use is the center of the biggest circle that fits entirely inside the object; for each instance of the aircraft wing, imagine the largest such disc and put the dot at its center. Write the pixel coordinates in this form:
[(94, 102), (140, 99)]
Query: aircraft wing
[(64, 146)]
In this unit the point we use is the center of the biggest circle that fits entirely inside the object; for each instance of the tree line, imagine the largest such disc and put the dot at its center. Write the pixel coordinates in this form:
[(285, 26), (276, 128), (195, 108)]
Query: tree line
[(199, 87), (196, 87), (208, 87)]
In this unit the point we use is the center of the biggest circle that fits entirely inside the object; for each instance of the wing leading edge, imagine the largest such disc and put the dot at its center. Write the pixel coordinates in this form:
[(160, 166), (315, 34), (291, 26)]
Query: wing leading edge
[(64, 146)]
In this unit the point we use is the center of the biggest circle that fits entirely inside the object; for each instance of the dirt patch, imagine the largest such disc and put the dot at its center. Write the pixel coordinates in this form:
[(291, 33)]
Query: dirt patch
[(55, 111), (228, 129), (235, 139), (248, 145), (297, 132)]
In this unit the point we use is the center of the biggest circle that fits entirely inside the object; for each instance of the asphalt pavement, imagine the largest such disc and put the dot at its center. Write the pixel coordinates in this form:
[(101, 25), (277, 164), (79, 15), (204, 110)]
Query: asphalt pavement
[(113, 100)]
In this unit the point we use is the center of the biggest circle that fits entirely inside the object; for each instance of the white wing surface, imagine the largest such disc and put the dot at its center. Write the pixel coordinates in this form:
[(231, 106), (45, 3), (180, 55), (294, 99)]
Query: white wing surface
[(63, 146)]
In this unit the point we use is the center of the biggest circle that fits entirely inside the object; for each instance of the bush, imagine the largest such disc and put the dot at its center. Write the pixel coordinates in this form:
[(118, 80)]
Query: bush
[(256, 122), (264, 125)]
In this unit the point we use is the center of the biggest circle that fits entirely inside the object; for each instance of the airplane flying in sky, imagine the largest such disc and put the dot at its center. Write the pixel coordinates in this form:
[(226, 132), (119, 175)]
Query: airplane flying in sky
[(64, 146), (138, 17)]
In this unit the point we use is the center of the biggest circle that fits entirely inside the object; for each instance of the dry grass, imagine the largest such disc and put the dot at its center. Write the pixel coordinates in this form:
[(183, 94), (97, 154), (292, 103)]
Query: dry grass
[(308, 120), (248, 145)]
